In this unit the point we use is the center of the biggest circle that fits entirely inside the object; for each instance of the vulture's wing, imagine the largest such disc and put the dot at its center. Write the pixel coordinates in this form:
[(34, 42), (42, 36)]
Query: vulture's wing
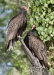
[(38, 47), (14, 25), (43, 53)]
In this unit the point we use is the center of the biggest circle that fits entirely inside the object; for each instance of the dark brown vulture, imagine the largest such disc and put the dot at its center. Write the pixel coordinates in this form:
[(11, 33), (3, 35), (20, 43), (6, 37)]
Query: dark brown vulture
[(16, 27), (36, 46)]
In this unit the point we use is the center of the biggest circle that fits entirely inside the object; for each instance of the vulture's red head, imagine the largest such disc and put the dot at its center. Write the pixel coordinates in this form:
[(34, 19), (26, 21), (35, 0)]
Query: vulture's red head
[(24, 8), (33, 27)]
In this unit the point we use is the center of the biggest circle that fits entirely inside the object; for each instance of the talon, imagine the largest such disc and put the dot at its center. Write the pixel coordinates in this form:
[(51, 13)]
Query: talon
[(10, 48)]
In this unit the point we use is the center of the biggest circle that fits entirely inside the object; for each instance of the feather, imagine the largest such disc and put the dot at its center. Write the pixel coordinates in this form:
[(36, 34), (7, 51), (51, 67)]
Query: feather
[(16, 26), (36, 45)]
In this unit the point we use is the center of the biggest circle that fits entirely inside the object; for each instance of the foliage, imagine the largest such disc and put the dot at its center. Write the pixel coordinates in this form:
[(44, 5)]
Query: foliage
[(41, 13)]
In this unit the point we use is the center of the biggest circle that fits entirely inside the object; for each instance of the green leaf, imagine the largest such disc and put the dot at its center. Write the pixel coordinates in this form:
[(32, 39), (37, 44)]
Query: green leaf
[(52, 1)]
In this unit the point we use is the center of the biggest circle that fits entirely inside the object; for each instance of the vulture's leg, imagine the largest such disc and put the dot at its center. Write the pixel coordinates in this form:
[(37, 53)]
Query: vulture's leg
[(13, 42), (10, 45)]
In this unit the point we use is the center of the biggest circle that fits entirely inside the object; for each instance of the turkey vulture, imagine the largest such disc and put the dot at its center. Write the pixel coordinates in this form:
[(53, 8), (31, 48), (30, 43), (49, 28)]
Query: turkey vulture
[(16, 27), (36, 46)]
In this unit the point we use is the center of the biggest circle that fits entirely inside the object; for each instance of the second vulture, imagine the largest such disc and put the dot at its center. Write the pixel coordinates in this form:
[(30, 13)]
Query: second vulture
[(36, 46), (16, 27)]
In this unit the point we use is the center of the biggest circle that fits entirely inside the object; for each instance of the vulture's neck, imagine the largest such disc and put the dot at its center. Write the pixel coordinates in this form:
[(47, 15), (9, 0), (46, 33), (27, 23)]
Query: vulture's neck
[(22, 12), (35, 32)]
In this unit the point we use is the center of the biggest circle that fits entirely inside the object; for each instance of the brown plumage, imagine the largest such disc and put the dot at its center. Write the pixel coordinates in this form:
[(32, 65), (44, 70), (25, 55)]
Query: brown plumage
[(16, 27), (36, 46)]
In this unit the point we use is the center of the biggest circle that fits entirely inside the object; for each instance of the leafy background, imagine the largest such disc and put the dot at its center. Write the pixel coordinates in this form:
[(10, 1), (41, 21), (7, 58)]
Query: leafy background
[(41, 13)]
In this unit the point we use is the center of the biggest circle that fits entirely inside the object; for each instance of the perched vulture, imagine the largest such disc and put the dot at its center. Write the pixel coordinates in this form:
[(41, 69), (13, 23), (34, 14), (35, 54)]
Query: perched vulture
[(36, 46), (16, 27)]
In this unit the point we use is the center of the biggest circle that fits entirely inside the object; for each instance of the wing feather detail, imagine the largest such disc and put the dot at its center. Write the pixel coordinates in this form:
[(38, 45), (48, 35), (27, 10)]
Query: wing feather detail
[(38, 47), (14, 25)]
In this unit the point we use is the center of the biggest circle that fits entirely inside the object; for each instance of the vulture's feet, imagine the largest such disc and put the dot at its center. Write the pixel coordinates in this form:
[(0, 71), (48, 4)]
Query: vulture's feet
[(10, 49)]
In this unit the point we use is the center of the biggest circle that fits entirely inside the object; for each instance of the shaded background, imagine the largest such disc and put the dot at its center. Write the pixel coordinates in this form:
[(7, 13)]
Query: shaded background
[(41, 13)]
